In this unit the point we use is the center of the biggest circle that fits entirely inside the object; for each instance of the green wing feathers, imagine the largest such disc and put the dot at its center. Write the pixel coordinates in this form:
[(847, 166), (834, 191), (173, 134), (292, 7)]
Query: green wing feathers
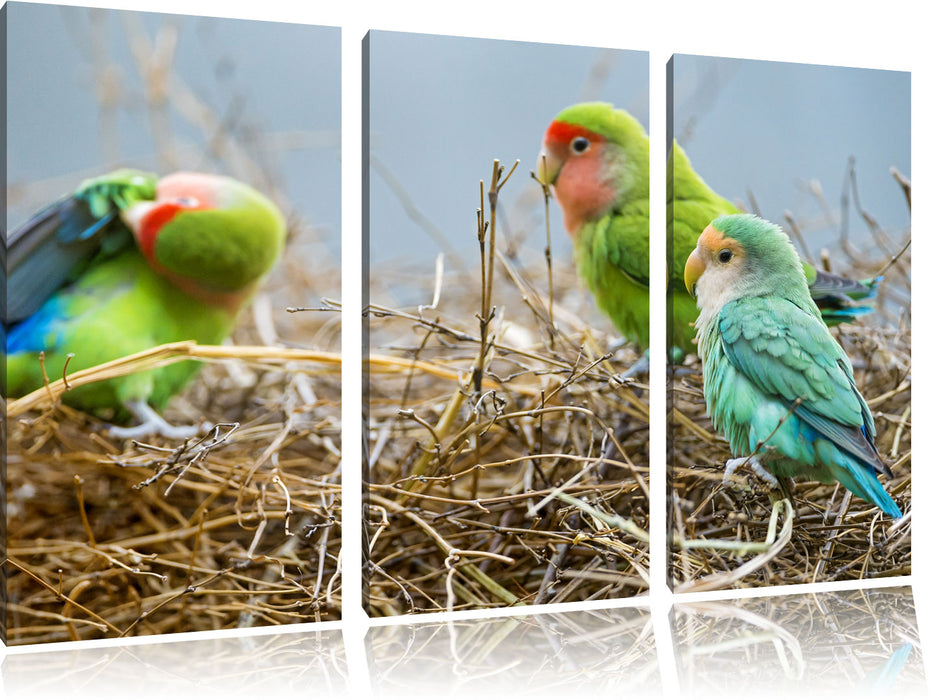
[(613, 257)]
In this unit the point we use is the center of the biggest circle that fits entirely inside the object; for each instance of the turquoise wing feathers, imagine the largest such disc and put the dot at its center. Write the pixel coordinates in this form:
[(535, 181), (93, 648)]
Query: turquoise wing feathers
[(786, 356)]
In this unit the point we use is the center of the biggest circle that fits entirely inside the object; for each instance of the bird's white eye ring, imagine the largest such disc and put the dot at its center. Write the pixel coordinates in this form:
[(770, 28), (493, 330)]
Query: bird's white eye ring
[(580, 144), (186, 202), (724, 255)]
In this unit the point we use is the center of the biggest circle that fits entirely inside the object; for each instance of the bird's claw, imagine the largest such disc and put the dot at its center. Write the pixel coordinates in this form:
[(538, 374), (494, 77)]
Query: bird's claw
[(642, 366), (752, 461), (151, 423), (679, 371), (171, 432)]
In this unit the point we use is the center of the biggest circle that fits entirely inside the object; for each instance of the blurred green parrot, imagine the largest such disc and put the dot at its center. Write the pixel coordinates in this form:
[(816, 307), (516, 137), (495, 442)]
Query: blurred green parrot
[(126, 263), (776, 383)]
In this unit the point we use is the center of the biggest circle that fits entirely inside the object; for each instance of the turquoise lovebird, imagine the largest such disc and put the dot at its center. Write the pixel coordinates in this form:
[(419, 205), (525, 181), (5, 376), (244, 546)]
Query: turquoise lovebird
[(691, 206), (776, 383), (158, 261)]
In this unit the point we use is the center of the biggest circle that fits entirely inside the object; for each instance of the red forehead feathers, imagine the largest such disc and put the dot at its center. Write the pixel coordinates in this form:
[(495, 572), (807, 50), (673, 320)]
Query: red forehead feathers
[(181, 192), (563, 132)]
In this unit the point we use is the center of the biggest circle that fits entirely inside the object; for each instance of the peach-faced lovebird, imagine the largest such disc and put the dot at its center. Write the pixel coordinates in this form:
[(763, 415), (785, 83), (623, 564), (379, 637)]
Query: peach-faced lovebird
[(774, 377), (597, 161), (170, 259)]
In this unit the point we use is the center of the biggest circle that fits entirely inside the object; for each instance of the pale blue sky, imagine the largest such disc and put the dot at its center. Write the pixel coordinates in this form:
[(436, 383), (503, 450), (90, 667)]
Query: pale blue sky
[(443, 108), (769, 127)]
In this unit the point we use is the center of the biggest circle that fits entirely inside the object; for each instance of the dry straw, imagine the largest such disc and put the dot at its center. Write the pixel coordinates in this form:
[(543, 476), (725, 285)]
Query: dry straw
[(239, 528), (521, 476)]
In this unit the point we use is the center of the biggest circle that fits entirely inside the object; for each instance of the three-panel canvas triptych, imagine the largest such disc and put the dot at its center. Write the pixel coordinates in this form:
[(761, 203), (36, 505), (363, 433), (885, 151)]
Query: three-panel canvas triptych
[(172, 325)]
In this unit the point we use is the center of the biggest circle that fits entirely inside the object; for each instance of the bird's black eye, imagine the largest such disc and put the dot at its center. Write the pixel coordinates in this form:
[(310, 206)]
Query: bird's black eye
[(724, 255), (580, 144)]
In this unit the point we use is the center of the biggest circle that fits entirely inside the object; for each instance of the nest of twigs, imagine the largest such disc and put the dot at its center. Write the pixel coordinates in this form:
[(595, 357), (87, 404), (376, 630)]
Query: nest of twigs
[(506, 464), (738, 535), (237, 528)]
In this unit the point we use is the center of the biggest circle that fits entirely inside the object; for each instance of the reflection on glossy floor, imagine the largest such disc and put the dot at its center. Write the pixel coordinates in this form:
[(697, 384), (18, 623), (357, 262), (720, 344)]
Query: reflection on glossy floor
[(310, 664), (551, 655), (838, 641), (823, 644)]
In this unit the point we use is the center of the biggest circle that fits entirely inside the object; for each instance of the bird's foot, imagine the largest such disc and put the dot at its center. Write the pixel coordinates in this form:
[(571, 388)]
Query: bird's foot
[(642, 366), (151, 423), (754, 462), (679, 371)]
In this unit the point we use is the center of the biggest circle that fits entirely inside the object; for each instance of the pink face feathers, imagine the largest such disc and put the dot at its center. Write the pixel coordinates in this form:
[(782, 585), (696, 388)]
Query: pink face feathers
[(179, 194), (175, 193), (576, 167), (198, 186)]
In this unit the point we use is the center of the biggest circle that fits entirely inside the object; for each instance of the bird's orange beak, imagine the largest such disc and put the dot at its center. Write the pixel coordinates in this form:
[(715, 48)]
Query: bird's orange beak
[(695, 266)]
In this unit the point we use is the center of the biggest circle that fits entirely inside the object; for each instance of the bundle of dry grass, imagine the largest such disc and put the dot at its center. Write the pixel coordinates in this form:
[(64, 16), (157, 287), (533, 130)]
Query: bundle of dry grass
[(734, 536), (240, 528), (486, 434)]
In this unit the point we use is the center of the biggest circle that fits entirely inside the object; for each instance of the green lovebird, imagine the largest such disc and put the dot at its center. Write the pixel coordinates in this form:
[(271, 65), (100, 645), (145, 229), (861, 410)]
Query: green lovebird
[(774, 377), (159, 260), (597, 160)]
